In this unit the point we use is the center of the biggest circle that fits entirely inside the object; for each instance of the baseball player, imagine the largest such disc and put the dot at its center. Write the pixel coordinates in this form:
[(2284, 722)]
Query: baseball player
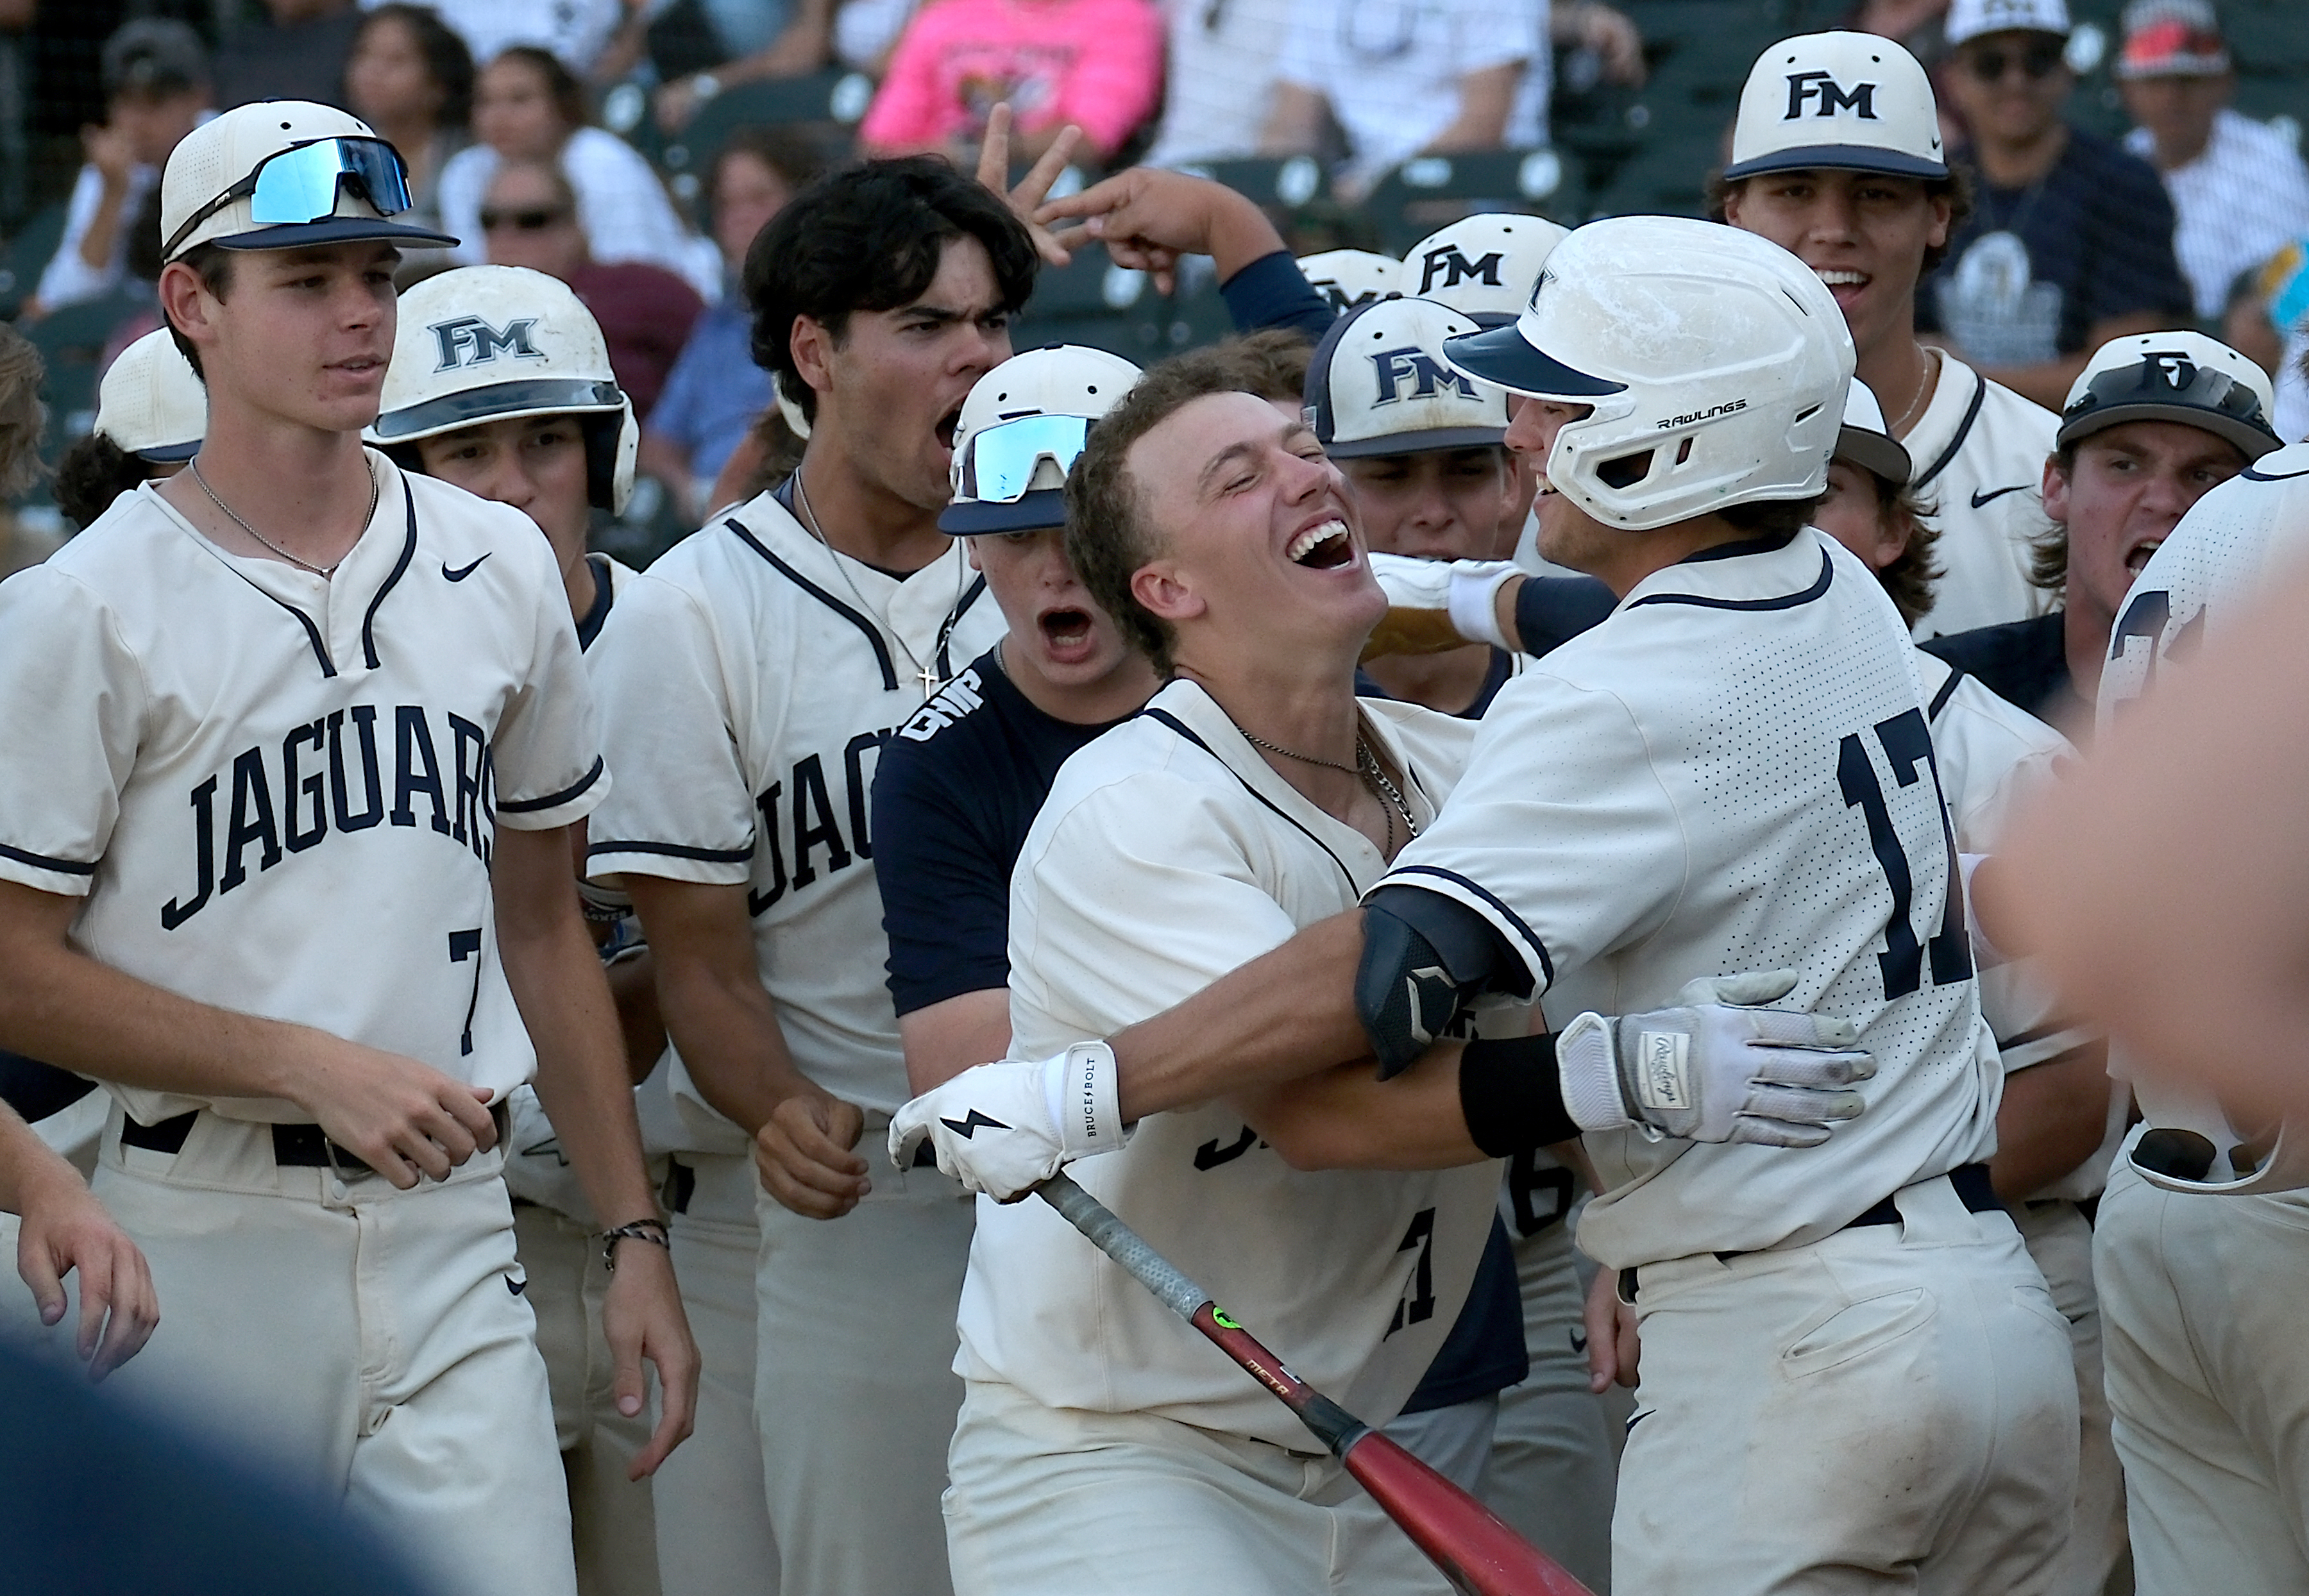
[(500, 383), (2196, 1247), (150, 414), (2154, 422), (301, 899), (750, 679), (1837, 157), (1349, 278)]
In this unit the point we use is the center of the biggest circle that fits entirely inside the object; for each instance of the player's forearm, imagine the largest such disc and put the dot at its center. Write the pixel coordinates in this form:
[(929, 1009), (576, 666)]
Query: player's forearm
[(2053, 1117), (1287, 1013), (727, 1033), (946, 1038), (1347, 1118), (29, 1168)]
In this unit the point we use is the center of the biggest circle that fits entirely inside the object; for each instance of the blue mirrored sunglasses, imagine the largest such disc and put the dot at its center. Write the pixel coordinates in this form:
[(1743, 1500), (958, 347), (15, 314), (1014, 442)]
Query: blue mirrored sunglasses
[(301, 185), (1000, 463)]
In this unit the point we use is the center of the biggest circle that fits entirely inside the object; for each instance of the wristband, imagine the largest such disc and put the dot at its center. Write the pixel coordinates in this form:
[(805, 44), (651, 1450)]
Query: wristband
[(1510, 1096), (1474, 599), (1081, 1090), (651, 1231), (1587, 1070)]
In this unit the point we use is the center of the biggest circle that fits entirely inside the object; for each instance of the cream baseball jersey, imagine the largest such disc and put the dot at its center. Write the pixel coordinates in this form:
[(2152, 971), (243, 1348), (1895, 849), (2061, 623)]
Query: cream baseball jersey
[(261, 781), (1979, 450), (1734, 772), (1167, 854), (748, 679)]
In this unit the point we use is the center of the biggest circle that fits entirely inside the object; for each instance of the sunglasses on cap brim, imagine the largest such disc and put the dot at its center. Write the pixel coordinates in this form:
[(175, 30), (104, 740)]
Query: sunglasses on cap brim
[(1000, 463), (301, 183), (2151, 391)]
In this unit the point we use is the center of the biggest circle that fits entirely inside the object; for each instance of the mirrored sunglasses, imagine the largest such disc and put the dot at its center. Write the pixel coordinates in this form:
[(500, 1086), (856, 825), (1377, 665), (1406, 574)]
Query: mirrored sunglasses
[(1000, 463), (301, 185)]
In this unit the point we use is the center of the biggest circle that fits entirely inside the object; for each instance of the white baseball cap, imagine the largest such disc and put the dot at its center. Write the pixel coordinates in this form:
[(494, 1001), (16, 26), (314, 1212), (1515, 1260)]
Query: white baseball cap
[(1971, 19), (1481, 266), (1351, 277), (285, 174), (150, 403), (1022, 426), (497, 343), (1380, 384), (1845, 101), (1865, 441), (2173, 377)]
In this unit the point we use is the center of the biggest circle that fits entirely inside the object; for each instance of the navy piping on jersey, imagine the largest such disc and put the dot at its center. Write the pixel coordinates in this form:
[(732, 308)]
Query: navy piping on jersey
[(873, 632), (1769, 543), (41, 861), (1178, 726), (408, 553), (946, 633), (1963, 431), (1530, 936), (553, 799), (1787, 602), (605, 593), (312, 631), (674, 850), (2251, 475), (1947, 691)]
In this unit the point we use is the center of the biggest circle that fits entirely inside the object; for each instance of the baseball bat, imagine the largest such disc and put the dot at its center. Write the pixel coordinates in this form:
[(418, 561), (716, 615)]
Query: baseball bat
[(1478, 1554)]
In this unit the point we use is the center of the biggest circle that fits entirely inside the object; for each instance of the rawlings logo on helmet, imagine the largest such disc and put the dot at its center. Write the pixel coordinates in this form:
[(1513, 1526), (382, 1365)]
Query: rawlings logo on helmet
[(1730, 407)]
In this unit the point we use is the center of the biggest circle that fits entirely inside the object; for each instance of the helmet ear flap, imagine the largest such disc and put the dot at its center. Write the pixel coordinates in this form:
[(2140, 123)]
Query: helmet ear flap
[(612, 441)]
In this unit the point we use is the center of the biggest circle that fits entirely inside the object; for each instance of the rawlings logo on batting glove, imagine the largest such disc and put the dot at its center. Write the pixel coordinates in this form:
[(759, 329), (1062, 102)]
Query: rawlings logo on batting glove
[(1716, 1068), (1005, 1128)]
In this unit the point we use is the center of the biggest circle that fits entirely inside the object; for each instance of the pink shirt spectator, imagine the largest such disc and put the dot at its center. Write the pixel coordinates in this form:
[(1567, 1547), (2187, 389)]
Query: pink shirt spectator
[(1097, 63)]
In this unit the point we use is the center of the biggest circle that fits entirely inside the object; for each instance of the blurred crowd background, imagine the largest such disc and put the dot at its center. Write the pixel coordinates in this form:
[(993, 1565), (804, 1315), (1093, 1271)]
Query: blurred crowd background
[(633, 148)]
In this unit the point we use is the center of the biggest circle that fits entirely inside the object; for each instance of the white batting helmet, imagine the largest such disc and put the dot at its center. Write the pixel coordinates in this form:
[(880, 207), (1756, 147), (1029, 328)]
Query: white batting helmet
[(150, 403), (1481, 266), (1714, 362), (1351, 277), (1379, 384), (1021, 427), (494, 344)]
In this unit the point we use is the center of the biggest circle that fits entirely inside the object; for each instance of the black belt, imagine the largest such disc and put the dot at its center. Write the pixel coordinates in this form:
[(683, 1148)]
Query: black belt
[(294, 1146), (1973, 1189)]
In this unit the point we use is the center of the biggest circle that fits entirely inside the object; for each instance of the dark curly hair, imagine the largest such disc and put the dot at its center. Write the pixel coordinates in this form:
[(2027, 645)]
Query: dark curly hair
[(447, 62), (869, 237), (95, 472)]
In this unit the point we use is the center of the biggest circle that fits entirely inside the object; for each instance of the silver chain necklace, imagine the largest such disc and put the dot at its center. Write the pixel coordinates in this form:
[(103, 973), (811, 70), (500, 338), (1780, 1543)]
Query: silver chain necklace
[(1366, 766), (323, 572), (931, 680)]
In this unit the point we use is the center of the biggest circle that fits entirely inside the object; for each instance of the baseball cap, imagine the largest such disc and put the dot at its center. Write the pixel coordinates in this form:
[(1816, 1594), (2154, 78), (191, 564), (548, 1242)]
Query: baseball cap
[(1864, 440), (154, 55), (1021, 428), (2172, 39), (1481, 266), (1972, 19), (285, 174), (151, 404), (2173, 377), (1848, 101), (1351, 277), (1378, 383)]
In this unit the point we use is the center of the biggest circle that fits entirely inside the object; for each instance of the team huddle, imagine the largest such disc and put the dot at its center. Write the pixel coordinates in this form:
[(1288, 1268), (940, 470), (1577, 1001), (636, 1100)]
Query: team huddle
[(1453, 812)]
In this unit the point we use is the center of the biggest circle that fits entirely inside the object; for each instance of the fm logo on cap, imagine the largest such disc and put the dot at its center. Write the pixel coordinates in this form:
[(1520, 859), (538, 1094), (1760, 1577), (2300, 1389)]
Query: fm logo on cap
[(2177, 369), (1805, 88), (1455, 268), (462, 333), (1422, 370)]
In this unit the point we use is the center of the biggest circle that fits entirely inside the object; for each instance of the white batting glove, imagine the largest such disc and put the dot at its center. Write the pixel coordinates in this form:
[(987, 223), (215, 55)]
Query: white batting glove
[(1468, 591), (1004, 1128), (1716, 1068)]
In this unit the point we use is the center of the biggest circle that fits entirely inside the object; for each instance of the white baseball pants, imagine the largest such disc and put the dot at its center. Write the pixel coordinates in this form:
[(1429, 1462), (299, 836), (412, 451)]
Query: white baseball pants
[(2061, 1241)]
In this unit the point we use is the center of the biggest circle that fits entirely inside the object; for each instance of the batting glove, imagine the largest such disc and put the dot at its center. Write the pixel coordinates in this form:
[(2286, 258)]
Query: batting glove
[(1005, 1128), (1715, 1068), (1468, 591)]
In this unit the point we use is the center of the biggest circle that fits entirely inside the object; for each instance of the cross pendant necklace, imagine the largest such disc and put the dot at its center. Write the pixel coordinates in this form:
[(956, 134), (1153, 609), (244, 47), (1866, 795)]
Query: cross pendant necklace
[(925, 672)]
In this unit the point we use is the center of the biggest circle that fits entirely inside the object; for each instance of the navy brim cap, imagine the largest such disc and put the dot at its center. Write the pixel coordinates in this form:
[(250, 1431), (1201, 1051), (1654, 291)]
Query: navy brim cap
[(1501, 357), (1874, 452), (1040, 509), (2252, 442), (1417, 442), (1837, 158), (168, 453), (335, 229)]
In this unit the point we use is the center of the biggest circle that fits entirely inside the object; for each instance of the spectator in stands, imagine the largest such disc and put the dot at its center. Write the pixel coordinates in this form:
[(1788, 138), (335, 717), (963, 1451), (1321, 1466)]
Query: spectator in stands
[(1400, 80), (575, 32), (1096, 63), (1915, 24), (529, 106), (715, 390), (290, 49), (156, 86), (411, 77), (528, 217), (2071, 240), (765, 38), (2238, 188), (22, 419)]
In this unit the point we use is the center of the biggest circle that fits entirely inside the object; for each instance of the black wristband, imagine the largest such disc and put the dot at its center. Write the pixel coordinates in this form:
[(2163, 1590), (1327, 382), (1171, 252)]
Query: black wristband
[(1511, 1097)]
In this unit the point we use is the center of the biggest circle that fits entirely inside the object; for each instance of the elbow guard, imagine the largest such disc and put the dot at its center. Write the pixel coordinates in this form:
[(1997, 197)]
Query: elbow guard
[(1426, 958)]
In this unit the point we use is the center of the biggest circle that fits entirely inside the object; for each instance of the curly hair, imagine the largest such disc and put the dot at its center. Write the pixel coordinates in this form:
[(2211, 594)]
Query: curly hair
[(447, 62), (93, 472), (22, 417)]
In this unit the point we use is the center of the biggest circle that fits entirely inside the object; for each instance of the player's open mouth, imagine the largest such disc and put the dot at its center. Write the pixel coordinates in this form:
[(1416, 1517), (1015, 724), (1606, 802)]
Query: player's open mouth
[(2139, 554), (1325, 545), (1066, 635), (1842, 281), (945, 429)]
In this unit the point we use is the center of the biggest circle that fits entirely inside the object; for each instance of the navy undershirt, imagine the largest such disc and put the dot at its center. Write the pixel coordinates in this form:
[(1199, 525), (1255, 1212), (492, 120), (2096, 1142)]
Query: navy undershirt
[(2023, 662)]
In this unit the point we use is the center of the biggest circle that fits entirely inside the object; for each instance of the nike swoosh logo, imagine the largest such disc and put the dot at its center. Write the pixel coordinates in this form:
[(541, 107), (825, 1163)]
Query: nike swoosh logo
[(461, 572), (1980, 498), (968, 1129)]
